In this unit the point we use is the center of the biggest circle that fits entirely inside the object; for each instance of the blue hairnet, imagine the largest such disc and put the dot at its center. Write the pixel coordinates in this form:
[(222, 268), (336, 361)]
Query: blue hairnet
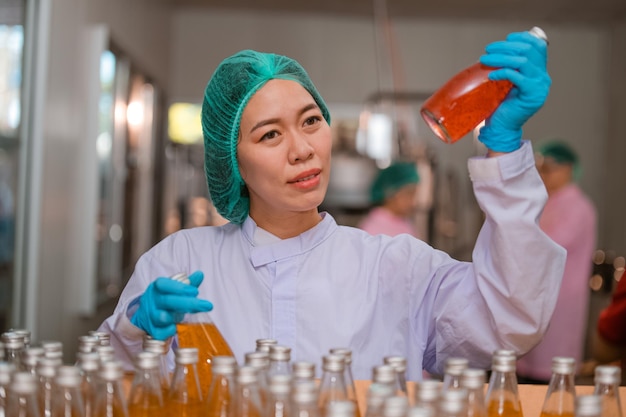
[(230, 88), (391, 179)]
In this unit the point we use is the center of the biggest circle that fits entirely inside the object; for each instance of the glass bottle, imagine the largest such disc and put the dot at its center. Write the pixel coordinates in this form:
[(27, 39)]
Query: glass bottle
[(160, 347), (348, 378), (333, 383), (375, 398), (110, 396), (502, 397), (68, 399), (398, 363), (1, 351), (263, 345), (6, 371), (426, 394), (260, 361), (302, 371), (248, 399), (146, 395), (588, 406), (13, 348), (22, 396), (466, 99), (280, 396), (561, 394), (197, 330), (88, 363), (452, 371), (385, 374), (473, 381), (185, 395), (280, 360), (304, 398), (46, 372), (606, 380), (453, 403), (223, 384)]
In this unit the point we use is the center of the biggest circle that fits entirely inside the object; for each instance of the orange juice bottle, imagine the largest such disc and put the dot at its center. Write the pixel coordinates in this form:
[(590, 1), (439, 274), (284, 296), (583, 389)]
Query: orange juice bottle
[(198, 331), (466, 99), (561, 394), (502, 397)]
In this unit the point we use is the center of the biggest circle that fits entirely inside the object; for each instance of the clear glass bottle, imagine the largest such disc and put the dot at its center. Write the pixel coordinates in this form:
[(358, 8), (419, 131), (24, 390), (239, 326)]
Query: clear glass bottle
[(606, 380), (145, 398), (88, 363), (23, 396), (260, 361), (222, 392), (68, 398), (473, 381), (588, 406), (6, 371), (263, 345), (453, 403), (426, 394), (349, 379), (46, 373), (110, 396), (502, 396), (280, 396), (304, 398), (375, 398), (30, 357), (466, 99), (13, 349), (198, 331), (398, 363), (248, 398), (333, 383), (160, 347), (185, 395), (280, 360), (385, 374), (561, 394), (452, 371)]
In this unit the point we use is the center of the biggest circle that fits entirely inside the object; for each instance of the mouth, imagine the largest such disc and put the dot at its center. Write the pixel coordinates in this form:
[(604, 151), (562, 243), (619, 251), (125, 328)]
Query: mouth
[(305, 176)]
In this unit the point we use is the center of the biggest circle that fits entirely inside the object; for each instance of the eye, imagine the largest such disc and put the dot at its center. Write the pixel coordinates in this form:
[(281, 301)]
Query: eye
[(312, 120), (270, 135)]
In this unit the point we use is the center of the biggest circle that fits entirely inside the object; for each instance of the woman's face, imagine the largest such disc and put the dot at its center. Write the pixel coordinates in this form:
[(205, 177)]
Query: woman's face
[(284, 151)]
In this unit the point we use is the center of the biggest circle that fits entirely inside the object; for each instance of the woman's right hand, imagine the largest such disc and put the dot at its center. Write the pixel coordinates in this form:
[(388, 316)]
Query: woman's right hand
[(165, 303)]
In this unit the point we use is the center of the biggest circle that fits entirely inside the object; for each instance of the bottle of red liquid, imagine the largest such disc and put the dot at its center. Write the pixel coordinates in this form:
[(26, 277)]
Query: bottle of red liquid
[(466, 99)]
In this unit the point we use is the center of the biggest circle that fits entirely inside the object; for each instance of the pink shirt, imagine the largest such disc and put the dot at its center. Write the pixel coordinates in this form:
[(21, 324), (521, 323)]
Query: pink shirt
[(380, 221), (569, 218)]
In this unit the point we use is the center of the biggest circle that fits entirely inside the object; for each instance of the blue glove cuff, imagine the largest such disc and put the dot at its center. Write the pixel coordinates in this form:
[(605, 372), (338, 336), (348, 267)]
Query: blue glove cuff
[(499, 141)]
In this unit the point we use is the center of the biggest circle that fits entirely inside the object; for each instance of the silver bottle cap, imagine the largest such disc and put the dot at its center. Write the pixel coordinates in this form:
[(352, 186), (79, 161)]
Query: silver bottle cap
[(263, 345), (305, 392), (607, 374), (23, 383), (88, 361), (87, 343), (503, 363), (280, 353), (31, 355), (421, 411), (397, 362), (104, 338), (24, 333), (156, 346), (453, 401), (69, 377), (12, 340), (110, 371), (303, 370), (47, 367), (427, 391), (186, 356), (147, 360), (223, 365), (181, 277), (347, 354), (258, 359), (473, 378), (538, 32), (563, 365), (588, 405), (333, 363), (341, 409), (280, 384), (384, 374), (6, 370), (105, 353), (455, 366), (395, 406), (377, 393), (246, 375)]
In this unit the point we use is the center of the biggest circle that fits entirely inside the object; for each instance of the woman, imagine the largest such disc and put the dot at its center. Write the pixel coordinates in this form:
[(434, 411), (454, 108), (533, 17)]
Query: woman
[(281, 269)]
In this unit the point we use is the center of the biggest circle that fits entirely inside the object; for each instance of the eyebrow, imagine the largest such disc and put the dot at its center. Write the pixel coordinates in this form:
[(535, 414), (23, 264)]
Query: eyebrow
[(266, 122)]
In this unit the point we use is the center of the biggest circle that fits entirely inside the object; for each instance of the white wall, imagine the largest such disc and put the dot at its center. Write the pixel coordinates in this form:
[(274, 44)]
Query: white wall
[(339, 54)]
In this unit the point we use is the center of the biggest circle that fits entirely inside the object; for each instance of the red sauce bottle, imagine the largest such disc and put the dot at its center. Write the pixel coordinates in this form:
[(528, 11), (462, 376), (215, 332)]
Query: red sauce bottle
[(466, 99)]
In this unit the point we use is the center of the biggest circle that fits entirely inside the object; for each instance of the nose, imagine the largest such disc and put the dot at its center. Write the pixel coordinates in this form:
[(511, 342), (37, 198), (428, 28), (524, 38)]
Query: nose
[(300, 149)]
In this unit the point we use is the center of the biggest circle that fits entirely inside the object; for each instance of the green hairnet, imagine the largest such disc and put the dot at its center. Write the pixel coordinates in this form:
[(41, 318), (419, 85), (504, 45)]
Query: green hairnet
[(228, 92), (562, 153), (391, 179)]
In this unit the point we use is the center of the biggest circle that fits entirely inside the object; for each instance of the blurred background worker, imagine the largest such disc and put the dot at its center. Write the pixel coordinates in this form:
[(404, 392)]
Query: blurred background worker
[(569, 218), (393, 193)]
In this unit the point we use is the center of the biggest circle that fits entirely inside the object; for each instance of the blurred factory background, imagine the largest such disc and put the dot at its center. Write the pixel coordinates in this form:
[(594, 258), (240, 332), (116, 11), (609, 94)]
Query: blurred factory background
[(100, 148)]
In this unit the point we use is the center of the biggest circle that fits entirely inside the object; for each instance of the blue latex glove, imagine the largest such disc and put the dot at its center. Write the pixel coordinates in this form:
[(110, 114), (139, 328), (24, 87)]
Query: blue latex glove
[(521, 59), (165, 303)]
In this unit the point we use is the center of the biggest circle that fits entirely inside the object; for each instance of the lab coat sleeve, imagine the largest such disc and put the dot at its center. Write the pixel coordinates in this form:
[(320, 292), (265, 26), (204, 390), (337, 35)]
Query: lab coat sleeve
[(506, 298)]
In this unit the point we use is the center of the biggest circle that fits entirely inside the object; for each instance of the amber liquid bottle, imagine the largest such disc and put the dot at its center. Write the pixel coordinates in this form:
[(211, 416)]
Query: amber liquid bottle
[(560, 398), (502, 397), (199, 331), (466, 99)]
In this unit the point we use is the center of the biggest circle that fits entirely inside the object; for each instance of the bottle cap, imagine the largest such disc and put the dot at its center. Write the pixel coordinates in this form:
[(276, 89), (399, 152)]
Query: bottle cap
[(397, 362), (156, 346), (186, 356), (247, 375), (88, 361), (105, 353), (69, 377), (333, 363), (181, 277), (87, 343), (51, 346), (453, 401), (6, 370), (259, 360), (47, 367), (539, 33), (473, 378), (563, 365), (303, 370), (12, 340), (147, 360), (421, 411), (31, 355), (455, 366), (280, 353), (24, 333), (377, 393), (588, 405), (280, 384), (427, 390), (607, 374), (503, 361), (305, 392), (111, 371), (384, 374), (342, 408), (347, 354), (104, 338), (23, 383), (263, 345), (223, 365), (395, 406)]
